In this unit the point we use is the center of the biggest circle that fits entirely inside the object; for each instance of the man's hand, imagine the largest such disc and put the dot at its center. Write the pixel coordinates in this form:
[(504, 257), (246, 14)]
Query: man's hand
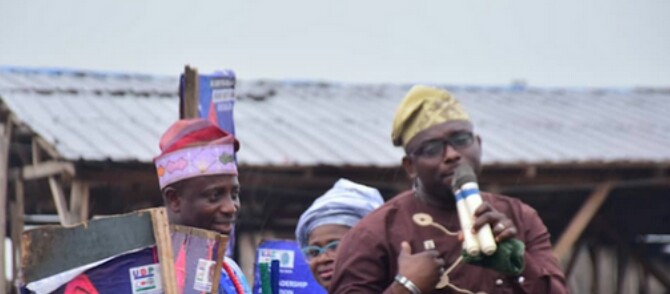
[(423, 268), (503, 228)]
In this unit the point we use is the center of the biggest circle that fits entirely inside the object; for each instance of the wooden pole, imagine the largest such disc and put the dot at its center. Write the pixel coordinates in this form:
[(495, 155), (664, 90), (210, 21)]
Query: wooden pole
[(190, 102), (222, 241), (5, 139), (643, 279), (79, 200), (46, 147), (595, 268), (35, 151), (161, 228), (576, 250), (581, 220), (61, 204), (18, 222)]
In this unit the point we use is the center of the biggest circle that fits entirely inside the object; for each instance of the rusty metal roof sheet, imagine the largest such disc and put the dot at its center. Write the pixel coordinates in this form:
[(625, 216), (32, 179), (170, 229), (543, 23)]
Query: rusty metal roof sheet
[(105, 116)]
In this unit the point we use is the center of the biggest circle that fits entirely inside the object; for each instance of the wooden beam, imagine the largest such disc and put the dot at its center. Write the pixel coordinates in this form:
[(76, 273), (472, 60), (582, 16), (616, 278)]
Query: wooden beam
[(222, 243), (572, 173), (625, 253), (581, 220), (36, 152), (161, 232), (649, 267), (595, 268), (18, 221), (5, 142), (190, 102), (643, 279), (577, 187), (15, 235), (576, 251), (118, 175), (622, 254), (48, 169), (79, 200), (47, 147), (302, 182), (61, 204)]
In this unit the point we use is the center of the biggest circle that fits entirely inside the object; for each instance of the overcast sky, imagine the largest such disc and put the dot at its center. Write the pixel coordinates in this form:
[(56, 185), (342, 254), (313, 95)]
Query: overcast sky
[(602, 43)]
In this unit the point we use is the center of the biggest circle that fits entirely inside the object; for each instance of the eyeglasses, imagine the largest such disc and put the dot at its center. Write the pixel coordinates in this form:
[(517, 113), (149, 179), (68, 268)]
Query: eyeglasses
[(437, 147), (313, 251)]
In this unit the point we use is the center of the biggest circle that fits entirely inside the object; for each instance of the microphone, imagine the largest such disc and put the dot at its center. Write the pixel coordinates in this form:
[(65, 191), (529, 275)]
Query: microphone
[(468, 200)]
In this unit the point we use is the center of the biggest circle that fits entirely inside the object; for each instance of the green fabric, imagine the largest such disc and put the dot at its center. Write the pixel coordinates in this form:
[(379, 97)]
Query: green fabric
[(266, 285), (508, 258)]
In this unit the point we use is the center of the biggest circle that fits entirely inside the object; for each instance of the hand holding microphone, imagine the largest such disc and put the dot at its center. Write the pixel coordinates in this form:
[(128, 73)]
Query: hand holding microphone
[(468, 204)]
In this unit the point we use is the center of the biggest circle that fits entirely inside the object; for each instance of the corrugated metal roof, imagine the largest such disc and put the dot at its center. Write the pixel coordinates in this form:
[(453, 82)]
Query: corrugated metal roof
[(96, 116)]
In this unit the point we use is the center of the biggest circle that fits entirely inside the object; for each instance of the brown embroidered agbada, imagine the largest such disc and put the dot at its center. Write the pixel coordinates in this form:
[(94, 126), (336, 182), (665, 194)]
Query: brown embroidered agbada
[(367, 261)]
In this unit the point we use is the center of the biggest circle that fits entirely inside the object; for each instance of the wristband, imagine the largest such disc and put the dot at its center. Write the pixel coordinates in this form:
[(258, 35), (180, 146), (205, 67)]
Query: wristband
[(405, 282)]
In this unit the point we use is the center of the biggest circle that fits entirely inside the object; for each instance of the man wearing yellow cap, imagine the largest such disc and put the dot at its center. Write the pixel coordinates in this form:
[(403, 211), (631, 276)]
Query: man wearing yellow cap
[(413, 243)]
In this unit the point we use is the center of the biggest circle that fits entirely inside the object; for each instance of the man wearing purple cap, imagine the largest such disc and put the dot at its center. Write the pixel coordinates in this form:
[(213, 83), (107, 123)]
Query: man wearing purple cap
[(197, 175)]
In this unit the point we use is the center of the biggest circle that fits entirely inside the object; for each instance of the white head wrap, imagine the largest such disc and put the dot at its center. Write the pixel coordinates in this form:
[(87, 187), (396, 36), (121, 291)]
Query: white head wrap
[(345, 203)]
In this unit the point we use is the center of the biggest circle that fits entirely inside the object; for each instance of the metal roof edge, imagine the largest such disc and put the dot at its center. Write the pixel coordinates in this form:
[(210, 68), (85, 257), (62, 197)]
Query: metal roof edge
[(56, 71), (513, 87), (584, 164)]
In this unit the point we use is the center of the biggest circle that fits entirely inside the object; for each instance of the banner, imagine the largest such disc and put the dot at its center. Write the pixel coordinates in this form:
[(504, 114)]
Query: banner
[(294, 276), (216, 98)]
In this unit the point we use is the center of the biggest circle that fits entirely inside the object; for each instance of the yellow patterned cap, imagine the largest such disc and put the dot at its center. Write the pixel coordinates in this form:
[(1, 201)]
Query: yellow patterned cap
[(422, 108)]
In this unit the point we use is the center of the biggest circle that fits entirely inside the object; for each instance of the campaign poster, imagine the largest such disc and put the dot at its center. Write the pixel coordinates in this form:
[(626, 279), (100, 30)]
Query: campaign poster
[(294, 274)]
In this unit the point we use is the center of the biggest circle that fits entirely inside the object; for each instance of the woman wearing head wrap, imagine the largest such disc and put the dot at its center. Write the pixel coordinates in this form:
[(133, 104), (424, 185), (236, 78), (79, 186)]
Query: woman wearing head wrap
[(330, 216)]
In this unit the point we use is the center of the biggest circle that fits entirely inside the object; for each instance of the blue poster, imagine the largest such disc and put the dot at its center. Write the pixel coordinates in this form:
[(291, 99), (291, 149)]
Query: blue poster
[(216, 98), (137, 273), (294, 274)]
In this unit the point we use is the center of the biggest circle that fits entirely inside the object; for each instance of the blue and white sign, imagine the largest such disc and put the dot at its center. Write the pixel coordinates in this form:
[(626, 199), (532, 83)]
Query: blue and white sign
[(217, 98), (294, 274)]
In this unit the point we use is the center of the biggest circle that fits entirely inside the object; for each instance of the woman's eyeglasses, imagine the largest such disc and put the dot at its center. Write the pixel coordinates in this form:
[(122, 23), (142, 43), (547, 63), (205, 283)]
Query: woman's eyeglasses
[(313, 251)]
